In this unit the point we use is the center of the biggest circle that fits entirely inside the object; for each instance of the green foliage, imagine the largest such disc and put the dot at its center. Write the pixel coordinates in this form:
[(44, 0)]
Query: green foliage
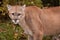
[(27, 2)]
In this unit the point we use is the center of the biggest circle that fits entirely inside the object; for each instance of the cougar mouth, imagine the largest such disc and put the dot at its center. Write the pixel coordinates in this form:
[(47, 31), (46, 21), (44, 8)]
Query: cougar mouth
[(15, 21)]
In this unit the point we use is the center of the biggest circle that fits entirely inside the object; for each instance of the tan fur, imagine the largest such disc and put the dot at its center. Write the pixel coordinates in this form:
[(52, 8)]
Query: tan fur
[(38, 22)]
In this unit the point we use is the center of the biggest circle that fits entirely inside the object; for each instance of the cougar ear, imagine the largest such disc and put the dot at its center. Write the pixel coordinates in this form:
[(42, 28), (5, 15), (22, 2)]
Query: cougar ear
[(8, 7), (23, 7)]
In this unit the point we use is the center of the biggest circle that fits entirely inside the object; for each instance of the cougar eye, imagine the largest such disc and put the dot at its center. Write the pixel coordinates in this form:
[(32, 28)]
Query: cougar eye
[(12, 13), (19, 14)]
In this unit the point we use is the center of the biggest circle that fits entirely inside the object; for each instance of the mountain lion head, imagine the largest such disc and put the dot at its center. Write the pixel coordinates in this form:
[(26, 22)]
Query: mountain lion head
[(16, 13)]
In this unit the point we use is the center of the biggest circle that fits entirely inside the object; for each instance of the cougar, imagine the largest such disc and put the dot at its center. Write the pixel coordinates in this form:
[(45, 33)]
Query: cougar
[(36, 22)]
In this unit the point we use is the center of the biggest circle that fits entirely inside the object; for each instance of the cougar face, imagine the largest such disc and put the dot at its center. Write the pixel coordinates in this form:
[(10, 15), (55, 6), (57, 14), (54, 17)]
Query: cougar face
[(16, 13)]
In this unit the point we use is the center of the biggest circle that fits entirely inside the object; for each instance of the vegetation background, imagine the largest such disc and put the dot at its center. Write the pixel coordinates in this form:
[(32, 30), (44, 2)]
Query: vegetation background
[(10, 31)]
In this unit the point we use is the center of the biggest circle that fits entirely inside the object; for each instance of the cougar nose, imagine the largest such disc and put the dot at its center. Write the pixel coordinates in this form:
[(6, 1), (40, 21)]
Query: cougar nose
[(15, 20)]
